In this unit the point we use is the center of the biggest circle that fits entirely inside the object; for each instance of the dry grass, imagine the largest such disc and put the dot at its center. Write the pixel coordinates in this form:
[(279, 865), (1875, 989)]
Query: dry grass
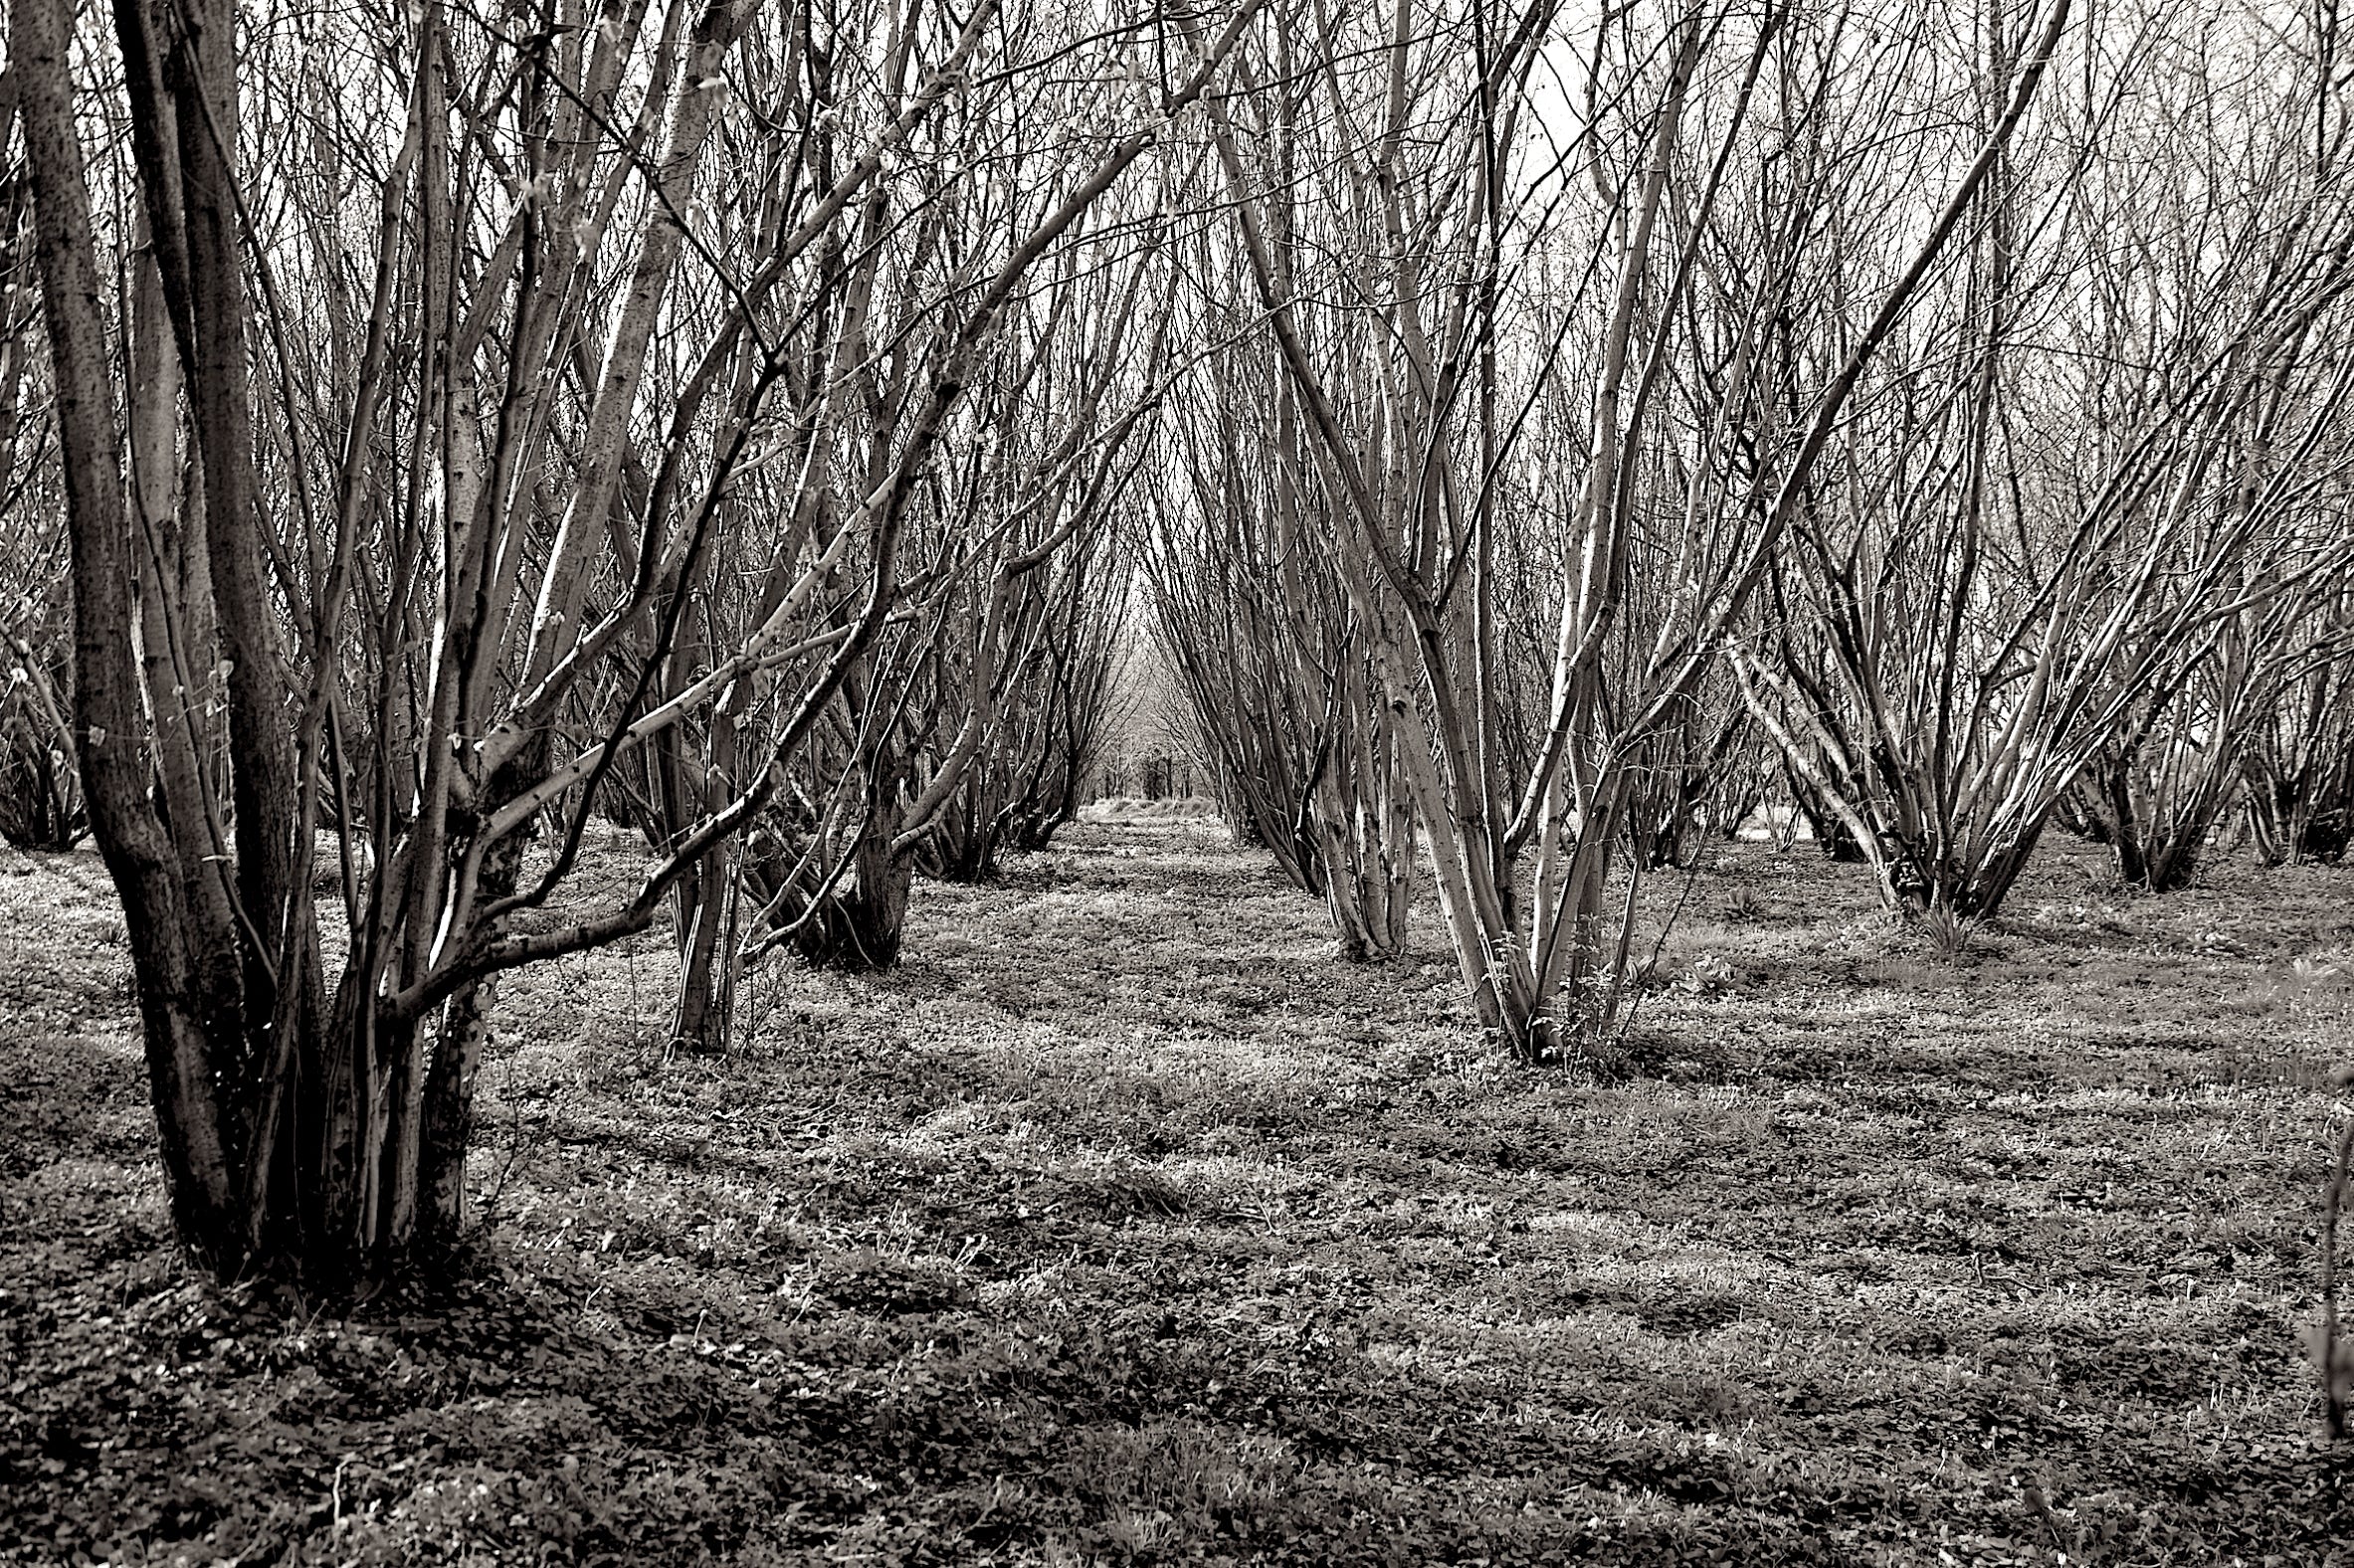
[(1127, 1223)]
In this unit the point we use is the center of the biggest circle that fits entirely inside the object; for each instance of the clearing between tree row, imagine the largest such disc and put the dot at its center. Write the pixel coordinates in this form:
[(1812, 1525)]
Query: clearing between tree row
[(1124, 1222)]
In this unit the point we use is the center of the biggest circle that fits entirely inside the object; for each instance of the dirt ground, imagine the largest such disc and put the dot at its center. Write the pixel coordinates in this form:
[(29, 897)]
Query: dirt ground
[(1127, 1223)]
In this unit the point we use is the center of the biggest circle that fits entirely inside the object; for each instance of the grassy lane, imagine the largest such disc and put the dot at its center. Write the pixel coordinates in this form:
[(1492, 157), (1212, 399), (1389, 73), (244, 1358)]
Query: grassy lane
[(1126, 1224)]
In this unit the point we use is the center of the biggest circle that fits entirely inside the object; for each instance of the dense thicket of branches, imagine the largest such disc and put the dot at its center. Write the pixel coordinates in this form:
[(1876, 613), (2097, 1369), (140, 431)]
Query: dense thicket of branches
[(1255, 621), (1048, 702), (40, 791), (2300, 751), (2074, 543), (1537, 434)]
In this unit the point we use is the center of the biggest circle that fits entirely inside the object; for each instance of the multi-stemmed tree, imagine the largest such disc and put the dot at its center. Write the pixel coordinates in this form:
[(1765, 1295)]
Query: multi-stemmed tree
[(2300, 756), (1025, 779), (40, 803), (1250, 611), (714, 413), (1029, 479), (2160, 786)]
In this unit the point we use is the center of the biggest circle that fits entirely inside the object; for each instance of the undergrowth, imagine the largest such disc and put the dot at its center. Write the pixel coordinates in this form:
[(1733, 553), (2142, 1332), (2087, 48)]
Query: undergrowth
[(1127, 1223)]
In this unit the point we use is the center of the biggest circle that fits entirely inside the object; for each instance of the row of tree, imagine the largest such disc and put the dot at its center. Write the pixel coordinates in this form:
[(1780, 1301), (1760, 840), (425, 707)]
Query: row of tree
[(699, 414), (1947, 427), (1533, 434)]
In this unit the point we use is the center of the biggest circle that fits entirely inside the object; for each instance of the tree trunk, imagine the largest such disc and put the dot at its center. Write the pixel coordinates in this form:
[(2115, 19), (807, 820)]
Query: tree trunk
[(858, 926)]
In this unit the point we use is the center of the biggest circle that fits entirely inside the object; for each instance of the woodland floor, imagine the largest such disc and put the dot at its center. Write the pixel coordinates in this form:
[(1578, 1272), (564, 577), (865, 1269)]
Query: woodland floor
[(1125, 1222)]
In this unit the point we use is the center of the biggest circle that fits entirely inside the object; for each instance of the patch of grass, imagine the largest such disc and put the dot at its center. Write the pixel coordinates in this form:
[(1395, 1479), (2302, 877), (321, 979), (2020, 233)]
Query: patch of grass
[(1126, 1224), (1948, 935)]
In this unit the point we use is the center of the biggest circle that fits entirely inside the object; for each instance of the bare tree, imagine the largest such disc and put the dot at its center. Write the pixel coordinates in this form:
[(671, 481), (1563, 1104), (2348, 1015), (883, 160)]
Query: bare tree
[(2160, 787), (1020, 499), (41, 805), (1026, 780), (2299, 758)]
